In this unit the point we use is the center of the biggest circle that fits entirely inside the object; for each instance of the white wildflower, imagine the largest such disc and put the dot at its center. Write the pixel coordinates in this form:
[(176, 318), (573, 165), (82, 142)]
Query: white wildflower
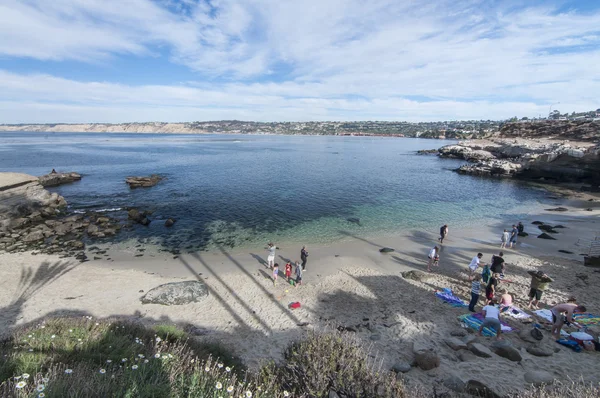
[(68, 371), (218, 386), (156, 355), (25, 376), (20, 384), (230, 389), (40, 387), (134, 367)]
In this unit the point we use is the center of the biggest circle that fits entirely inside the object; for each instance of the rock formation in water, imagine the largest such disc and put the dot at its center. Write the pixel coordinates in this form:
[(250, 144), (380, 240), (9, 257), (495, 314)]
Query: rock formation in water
[(143, 182), (54, 179), (539, 151)]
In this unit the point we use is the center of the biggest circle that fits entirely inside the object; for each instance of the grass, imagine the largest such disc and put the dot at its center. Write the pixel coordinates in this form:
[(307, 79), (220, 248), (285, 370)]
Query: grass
[(66, 357)]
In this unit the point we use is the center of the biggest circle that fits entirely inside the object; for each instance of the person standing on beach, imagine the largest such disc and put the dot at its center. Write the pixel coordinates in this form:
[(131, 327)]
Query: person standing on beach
[(475, 291), (434, 257), (275, 273), (520, 228), (497, 264), (505, 238), (558, 320), (298, 274), (288, 271), (539, 283), (491, 318), (303, 257), (271, 257), (513, 236), (443, 232), (475, 263)]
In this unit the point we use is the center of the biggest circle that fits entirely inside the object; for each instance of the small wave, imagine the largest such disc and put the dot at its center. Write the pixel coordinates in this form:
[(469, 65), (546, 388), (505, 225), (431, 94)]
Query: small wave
[(99, 210)]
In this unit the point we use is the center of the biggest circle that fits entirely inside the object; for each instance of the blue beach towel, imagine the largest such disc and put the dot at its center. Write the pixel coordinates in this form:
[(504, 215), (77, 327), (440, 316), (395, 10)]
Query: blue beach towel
[(447, 296)]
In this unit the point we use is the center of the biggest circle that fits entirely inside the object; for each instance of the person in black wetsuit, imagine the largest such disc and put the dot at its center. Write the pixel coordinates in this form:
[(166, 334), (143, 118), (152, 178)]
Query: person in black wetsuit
[(443, 232), (497, 265), (304, 257)]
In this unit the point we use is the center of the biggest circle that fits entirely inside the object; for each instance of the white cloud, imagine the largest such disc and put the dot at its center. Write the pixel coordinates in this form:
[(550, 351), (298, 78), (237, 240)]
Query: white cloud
[(342, 59)]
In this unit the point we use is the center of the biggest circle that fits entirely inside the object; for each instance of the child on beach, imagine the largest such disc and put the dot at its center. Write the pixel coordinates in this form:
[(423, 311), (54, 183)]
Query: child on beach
[(288, 271), (298, 274), (434, 258), (505, 238), (475, 290), (275, 273)]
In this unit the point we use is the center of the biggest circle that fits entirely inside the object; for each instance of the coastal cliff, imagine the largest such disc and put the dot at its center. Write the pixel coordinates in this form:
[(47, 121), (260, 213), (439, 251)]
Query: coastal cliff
[(548, 151)]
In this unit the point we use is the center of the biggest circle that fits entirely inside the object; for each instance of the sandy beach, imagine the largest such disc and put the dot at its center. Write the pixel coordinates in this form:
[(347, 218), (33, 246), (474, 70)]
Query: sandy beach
[(349, 284)]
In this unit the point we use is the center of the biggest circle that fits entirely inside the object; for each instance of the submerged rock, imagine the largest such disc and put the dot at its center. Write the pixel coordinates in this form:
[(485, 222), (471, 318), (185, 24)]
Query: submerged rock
[(386, 250), (557, 209), (354, 220), (176, 293), (546, 236)]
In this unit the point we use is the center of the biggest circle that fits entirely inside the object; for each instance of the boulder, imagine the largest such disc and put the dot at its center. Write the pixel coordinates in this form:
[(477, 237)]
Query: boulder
[(526, 336), (506, 350), (539, 377), (169, 222), (547, 228), (33, 236), (454, 383), (468, 339), (427, 359), (455, 344), (55, 179), (478, 389), (546, 236), (419, 276), (176, 293), (458, 333), (480, 350), (401, 367), (539, 351), (467, 356), (537, 223), (558, 209), (143, 182), (386, 250)]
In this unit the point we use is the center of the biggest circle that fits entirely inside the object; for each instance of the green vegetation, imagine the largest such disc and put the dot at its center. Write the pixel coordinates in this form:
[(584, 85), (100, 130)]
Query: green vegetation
[(66, 357)]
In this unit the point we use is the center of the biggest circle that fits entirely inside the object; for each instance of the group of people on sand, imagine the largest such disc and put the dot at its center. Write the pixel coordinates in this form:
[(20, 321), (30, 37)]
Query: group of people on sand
[(298, 268), (499, 300)]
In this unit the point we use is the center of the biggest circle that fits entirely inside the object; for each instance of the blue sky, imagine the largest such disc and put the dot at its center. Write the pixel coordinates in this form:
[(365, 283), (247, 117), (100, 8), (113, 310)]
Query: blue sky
[(279, 60)]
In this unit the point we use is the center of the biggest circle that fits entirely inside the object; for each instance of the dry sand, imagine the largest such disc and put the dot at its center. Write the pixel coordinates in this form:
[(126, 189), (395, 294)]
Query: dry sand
[(349, 284)]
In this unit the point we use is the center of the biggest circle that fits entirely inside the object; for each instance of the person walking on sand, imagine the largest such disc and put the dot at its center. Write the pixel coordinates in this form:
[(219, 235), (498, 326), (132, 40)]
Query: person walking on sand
[(303, 257), (513, 237), (475, 291), (505, 238), (271, 257), (558, 320), (491, 319), (443, 233), (275, 273), (475, 263), (434, 258), (298, 274), (497, 264), (539, 283)]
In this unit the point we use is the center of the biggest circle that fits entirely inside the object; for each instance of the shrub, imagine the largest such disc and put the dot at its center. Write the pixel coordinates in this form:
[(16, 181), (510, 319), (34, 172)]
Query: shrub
[(570, 389)]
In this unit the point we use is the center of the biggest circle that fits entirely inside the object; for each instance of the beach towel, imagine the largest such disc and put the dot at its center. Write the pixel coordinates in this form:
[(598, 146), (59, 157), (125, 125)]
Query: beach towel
[(294, 305), (515, 312), (544, 314), (586, 319), (447, 296), (572, 344), (474, 321)]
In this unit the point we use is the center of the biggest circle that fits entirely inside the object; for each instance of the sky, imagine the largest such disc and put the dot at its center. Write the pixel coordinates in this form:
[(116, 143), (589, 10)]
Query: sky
[(114, 61)]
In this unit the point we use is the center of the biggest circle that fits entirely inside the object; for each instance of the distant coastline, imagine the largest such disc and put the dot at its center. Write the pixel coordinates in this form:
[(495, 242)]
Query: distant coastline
[(436, 130)]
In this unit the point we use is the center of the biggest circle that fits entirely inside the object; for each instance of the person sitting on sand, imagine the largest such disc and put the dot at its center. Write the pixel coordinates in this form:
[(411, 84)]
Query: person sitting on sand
[(506, 301), (505, 238), (434, 257), (288, 271), (539, 283), (443, 232), (275, 273), (298, 274), (475, 263), (475, 291), (497, 264), (558, 320), (271, 257), (492, 285), (491, 319)]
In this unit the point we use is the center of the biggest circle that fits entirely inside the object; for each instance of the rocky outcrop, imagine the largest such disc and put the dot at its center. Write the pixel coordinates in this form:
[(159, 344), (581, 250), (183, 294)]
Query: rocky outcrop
[(543, 160), (176, 293), (143, 182), (31, 218), (55, 179)]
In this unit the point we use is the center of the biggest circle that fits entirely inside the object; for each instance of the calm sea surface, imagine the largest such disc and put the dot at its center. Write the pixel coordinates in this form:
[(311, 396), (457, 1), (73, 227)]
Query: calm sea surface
[(245, 190)]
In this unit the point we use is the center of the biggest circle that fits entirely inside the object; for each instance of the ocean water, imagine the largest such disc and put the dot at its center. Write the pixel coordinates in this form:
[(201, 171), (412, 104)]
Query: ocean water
[(241, 191)]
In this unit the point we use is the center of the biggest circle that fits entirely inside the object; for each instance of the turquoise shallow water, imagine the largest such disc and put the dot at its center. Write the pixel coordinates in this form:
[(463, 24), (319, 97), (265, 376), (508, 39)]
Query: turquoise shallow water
[(239, 191)]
